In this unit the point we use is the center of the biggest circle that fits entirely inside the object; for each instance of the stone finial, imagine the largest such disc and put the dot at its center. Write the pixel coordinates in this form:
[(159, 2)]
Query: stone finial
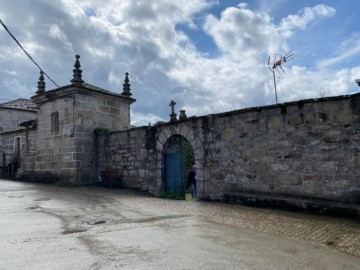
[(41, 84), (173, 114), (358, 82), (182, 115), (77, 71), (126, 88)]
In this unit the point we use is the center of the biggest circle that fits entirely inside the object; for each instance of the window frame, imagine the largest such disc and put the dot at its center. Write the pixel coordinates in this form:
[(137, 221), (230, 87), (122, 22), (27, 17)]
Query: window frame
[(54, 122)]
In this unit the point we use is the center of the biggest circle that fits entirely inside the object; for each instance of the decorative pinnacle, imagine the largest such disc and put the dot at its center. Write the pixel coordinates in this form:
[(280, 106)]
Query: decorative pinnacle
[(126, 88), (358, 82), (77, 71), (41, 83), (182, 115), (173, 114)]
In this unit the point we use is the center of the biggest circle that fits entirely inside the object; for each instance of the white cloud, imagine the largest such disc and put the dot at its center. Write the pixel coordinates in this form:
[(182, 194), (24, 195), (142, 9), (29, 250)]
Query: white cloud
[(242, 5), (300, 83), (243, 33), (348, 49), (11, 72), (58, 34), (141, 37), (17, 86), (141, 119), (303, 18)]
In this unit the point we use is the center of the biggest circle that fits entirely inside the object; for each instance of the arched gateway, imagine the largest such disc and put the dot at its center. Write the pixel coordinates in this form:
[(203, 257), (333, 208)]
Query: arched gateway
[(178, 157)]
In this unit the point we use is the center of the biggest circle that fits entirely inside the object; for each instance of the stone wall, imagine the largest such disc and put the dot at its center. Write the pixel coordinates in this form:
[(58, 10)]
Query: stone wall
[(10, 119), (27, 139), (133, 154), (28, 159), (308, 148)]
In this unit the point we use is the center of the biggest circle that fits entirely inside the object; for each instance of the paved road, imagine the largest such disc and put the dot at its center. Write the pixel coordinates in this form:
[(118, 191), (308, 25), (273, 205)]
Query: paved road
[(47, 227)]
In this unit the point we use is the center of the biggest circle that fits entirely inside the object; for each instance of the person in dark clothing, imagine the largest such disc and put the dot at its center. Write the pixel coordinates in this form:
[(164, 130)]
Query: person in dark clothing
[(192, 181)]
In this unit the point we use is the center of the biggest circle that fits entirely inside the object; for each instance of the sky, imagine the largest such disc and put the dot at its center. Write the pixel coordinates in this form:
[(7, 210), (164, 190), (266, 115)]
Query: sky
[(208, 56)]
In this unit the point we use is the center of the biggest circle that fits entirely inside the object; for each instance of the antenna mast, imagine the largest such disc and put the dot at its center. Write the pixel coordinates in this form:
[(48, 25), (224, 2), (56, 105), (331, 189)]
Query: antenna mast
[(275, 62)]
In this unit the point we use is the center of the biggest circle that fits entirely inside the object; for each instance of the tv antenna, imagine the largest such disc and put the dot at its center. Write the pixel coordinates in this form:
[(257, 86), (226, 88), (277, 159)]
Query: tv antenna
[(275, 62)]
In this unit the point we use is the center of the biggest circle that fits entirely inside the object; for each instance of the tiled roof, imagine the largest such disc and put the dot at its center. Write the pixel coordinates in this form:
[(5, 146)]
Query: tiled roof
[(91, 87), (20, 104), (16, 129), (98, 89)]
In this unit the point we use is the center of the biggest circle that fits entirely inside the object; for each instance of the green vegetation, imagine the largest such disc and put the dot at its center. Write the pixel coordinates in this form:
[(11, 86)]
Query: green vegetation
[(173, 195), (100, 130), (63, 183), (189, 160)]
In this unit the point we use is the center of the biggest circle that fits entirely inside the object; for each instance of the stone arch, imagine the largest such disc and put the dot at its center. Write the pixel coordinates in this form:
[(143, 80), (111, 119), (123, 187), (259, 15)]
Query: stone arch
[(182, 129)]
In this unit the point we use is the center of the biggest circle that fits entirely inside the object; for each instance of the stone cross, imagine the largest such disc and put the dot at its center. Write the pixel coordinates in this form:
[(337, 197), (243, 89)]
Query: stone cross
[(172, 105), (173, 114)]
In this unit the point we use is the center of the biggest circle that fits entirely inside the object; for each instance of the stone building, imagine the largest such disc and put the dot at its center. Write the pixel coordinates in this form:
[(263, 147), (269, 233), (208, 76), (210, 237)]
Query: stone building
[(12, 114), (59, 144)]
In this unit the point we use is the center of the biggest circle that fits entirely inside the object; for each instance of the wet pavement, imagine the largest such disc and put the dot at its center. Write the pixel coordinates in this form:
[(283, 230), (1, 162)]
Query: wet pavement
[(48, 227)]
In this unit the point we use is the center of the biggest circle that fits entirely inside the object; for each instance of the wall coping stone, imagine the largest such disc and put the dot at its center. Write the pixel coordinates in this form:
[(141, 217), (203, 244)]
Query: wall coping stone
[(254, 109)]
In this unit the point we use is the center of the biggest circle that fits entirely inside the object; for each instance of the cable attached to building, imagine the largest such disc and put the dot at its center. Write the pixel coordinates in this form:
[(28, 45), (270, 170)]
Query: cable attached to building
[(18, 43)]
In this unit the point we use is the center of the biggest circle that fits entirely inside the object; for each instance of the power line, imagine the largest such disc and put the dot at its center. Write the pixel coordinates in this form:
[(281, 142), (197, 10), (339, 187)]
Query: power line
[(18, 43)]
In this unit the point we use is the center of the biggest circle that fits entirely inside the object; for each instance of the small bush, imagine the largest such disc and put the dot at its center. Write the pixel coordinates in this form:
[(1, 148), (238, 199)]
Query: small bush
[(63, 183), (100, 130), (173, 195)]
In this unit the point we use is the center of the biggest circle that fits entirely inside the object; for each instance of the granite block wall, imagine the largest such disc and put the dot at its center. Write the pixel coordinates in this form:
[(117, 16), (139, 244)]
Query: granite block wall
[(68, 152), (10, 119), (307, 148)]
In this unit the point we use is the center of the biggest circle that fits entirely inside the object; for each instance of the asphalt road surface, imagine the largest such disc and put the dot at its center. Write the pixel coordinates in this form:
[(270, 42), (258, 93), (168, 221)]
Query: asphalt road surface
[(48, 227)]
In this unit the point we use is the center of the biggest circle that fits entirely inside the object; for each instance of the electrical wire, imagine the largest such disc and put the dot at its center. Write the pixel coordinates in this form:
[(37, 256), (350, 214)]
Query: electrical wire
[(18, 43)]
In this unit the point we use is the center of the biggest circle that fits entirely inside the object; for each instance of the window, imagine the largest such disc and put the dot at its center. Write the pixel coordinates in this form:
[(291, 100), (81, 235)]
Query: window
[(55, 121)]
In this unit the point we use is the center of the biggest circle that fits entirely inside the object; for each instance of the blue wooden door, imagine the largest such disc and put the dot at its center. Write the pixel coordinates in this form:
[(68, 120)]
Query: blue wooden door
[(174, 182), (173, 165)]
